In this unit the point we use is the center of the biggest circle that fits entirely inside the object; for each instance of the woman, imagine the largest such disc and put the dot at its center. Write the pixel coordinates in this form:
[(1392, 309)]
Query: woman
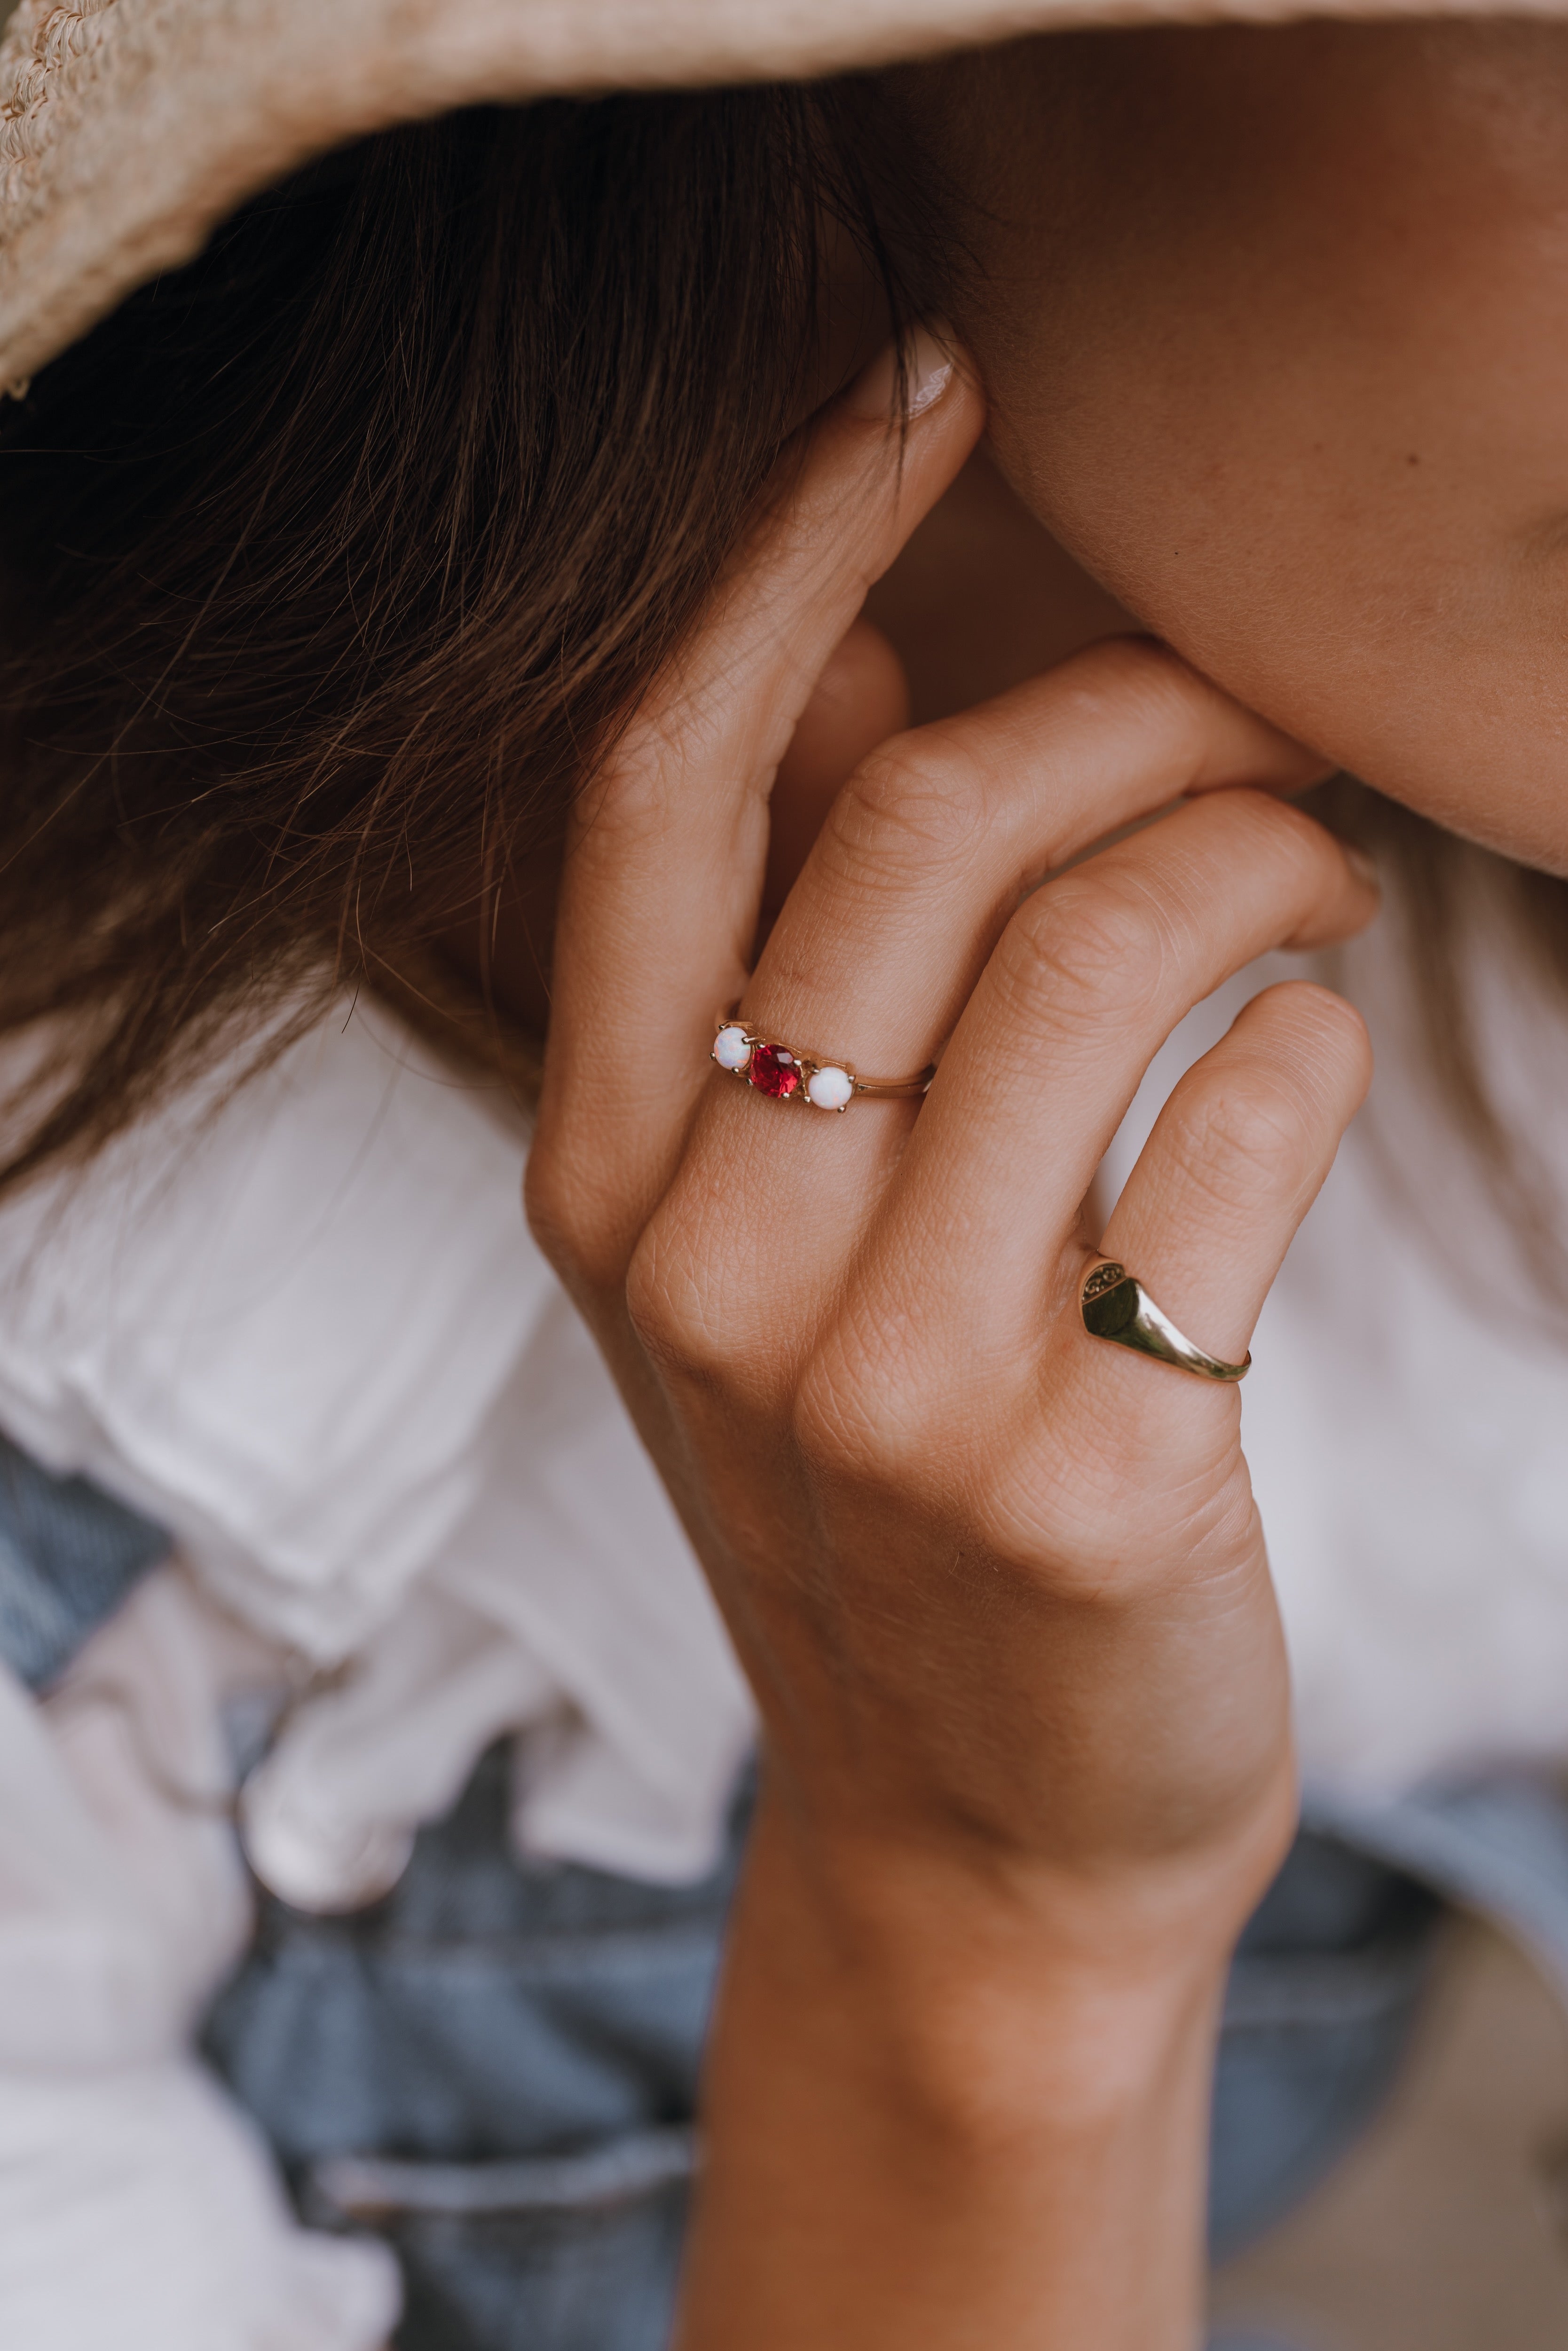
[(1262, 326)]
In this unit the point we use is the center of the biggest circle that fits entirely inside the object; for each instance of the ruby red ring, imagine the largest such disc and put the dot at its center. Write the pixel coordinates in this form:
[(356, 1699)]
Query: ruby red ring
[(786, 1075)]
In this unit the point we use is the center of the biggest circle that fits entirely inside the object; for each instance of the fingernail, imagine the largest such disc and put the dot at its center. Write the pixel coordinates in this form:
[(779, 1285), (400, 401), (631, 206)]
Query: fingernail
[(929, 372), (1362, 866), (930, 369)]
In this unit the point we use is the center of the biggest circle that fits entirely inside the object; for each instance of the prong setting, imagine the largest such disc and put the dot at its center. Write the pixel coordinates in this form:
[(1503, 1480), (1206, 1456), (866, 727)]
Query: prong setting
[(732, 1048), (778, 1071)]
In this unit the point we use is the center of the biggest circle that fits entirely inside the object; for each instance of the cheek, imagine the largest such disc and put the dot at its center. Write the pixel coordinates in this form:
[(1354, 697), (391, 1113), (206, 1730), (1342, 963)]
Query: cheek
[(1227, 511), (1367, 607), (1209, 541)]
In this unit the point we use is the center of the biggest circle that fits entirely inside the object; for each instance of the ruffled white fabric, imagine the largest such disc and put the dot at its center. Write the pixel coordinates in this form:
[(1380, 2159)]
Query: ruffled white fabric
[(136, 2211), (307, 1330)]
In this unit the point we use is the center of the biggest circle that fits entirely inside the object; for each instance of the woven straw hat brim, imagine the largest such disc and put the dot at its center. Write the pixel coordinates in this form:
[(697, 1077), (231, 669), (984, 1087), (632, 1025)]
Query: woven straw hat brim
[(130, 128)]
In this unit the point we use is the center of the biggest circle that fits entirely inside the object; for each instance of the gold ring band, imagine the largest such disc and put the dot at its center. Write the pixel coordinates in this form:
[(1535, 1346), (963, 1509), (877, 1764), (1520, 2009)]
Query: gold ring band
[(1115, 1306), (784, 1074)]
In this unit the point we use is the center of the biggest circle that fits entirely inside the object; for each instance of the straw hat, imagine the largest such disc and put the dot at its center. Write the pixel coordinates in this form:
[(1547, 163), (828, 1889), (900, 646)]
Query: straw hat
[(130, 128)]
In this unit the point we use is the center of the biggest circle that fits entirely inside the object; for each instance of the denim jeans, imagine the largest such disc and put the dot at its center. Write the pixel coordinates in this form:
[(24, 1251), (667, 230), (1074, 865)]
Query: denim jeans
[(496, 2067), (1323, 1992)]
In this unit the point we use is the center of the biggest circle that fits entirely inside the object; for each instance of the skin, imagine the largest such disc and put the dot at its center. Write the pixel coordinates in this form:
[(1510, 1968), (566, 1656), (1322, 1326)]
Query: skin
[(1274, 329), (1001, 1590)]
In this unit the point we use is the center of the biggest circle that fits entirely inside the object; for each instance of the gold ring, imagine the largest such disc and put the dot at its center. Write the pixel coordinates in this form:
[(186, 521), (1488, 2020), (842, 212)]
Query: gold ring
[(1116, 1306), (784, 1074)]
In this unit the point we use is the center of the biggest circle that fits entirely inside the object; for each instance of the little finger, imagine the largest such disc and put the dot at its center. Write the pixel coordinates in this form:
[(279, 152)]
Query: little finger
[(1235, 1159)]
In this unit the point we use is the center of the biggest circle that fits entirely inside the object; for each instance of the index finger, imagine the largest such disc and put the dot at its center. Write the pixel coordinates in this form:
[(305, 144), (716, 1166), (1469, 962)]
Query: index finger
[(664, 862)]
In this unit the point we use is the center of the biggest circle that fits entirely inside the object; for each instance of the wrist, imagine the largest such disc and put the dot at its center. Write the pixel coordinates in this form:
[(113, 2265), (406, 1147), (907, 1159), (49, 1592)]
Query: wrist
[(929, 2116), (975, 1993)]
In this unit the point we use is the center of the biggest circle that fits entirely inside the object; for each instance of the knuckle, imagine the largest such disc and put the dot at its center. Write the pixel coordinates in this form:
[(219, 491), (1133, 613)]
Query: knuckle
[(639, 787), (1302, 853), (1137, 665), (570, 1220), (1290, 871), (628, 798), (1285, 831), (915, 807), (1247, 1137), (1083, 950), (672, 1339), (674, 1313), (1300, 1019), (852, 1436), (859, 1419), (1007, 1513), (704, 1321), (1330, 1024), (1145, 686)]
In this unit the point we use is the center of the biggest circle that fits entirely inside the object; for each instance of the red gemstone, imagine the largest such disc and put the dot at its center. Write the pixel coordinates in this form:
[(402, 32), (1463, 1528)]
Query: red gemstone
[(774, 1072)]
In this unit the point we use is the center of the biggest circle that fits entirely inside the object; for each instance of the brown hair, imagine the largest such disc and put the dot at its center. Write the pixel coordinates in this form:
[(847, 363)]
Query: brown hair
[(330, 562)]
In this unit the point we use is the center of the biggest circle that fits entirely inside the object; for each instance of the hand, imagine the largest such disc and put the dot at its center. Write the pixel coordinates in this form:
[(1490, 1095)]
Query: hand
[(1000, 1588)]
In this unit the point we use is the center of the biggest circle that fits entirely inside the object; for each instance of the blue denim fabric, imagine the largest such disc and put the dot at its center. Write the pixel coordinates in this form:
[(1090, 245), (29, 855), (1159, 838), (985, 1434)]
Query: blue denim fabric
[(1324, 1993), (574, 2253), (69, 1556), (496, 2067), (1496, 1845)]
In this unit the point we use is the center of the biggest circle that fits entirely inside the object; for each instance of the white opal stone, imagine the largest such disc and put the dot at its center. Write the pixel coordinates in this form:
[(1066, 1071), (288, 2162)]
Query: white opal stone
[(830, 1089), (730, 1049)]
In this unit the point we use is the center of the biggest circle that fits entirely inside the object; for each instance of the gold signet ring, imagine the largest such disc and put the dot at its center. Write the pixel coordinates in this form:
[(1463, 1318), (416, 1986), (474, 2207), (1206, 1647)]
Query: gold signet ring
[(1117, 1307)]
